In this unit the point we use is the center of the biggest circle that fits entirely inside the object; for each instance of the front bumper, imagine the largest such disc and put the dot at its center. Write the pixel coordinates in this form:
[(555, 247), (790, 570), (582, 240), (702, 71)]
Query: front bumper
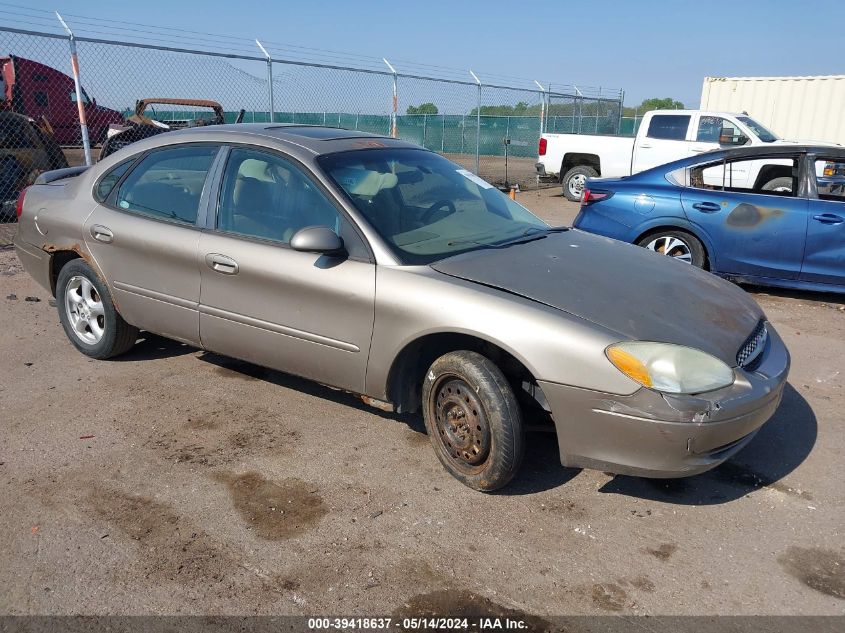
[(660, 435)]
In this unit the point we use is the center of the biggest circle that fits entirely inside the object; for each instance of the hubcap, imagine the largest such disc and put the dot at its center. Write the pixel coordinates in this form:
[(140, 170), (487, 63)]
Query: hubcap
[(84, 309), (461, 424), (671, 246), (576, 184)]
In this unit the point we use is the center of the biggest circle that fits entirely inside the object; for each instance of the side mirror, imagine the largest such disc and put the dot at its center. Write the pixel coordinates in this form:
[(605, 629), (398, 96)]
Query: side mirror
[(316, 239)]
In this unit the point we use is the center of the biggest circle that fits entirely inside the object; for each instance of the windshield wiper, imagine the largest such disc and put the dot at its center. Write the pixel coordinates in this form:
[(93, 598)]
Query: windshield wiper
[(528, 236)]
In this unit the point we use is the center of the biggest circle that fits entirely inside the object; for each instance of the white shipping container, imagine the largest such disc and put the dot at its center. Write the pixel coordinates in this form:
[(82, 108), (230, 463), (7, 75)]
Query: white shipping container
[(794, 108)]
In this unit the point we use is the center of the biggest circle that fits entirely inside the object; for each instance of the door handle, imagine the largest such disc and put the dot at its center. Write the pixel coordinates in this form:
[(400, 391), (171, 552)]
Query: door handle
[(645, 146), (829, 218), (102, 233), (699, 150), (707, 207), (222, 264)]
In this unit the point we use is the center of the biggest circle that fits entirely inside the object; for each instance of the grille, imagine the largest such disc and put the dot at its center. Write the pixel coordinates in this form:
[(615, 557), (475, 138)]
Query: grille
[(753, 346)]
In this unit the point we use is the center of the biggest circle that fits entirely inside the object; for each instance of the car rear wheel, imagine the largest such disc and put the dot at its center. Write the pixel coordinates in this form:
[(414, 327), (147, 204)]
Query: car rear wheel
[(678, 244), (88, 314), (473, 420), (782, 184), (574, 181)]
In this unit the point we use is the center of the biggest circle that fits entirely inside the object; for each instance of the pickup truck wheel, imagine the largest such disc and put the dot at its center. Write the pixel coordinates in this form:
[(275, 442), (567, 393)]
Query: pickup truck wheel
[(473, 420), (574, 181), (678, 244), (88, 315), (784, 183)]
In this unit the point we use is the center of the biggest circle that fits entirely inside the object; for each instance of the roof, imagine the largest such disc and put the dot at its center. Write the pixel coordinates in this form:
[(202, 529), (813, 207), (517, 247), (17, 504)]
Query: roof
[(753, 151), (313, 138), (785, 78)]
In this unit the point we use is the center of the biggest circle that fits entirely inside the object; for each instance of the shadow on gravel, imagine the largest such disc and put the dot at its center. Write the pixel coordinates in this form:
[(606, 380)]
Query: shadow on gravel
[(831, 299), (154, 347), (541, 468), (247, 371), (780, 446)]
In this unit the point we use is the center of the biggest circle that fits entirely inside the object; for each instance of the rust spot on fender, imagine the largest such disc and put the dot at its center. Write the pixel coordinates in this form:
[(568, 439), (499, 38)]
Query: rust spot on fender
[(51, 248), (748, 216)]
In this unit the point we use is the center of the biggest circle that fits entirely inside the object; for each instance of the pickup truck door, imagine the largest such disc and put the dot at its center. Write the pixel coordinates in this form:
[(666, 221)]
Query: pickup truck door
[(713, 133), (824, 255), (664, 140), (751, 232)]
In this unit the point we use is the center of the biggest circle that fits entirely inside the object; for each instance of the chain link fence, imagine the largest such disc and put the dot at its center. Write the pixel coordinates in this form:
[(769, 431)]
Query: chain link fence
[(491, 130)]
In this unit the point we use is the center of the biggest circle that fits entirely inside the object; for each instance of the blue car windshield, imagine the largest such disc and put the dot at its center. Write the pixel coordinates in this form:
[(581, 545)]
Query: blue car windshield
[(426, 207), (762, 133)]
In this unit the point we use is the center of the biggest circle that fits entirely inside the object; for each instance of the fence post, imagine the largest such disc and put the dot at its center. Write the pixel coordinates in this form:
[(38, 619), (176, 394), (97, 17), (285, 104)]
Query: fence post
[(270, 104), (425, 127), (621, 108), (477, 124), (443, 134), (542, 106), (357, 114), (395, 100), (80, 105)]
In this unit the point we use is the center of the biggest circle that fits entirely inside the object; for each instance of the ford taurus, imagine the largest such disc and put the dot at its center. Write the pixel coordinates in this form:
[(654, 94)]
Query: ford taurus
[(377, 267)]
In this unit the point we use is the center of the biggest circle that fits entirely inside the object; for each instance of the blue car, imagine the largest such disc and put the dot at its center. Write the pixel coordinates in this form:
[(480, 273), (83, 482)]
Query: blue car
[(770, 215)]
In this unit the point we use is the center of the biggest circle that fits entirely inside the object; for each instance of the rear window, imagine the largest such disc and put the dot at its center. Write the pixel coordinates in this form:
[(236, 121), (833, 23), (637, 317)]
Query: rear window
[(168, 183), (670, 127)]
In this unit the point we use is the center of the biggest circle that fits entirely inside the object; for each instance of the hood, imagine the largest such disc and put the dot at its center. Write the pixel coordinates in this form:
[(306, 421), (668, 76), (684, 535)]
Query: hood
[(624, 288)]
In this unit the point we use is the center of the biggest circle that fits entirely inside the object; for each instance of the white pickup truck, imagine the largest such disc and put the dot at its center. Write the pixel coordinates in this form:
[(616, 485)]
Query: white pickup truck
[(663, 136)]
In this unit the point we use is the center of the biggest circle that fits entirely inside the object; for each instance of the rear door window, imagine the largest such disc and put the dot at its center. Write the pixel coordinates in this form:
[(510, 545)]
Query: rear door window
[(670, 127), (168, 183)]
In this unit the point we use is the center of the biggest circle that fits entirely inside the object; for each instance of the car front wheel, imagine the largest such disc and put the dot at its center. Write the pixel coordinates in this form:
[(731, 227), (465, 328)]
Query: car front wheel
[(88, 315), (473, 420)]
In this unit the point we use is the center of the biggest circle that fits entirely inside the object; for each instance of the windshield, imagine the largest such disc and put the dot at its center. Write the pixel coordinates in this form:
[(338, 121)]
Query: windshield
[(427, 207), (762, 133)]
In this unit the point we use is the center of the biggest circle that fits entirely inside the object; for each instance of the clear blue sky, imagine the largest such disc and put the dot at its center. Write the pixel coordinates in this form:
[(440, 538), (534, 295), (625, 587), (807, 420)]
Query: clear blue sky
[(646, 47)]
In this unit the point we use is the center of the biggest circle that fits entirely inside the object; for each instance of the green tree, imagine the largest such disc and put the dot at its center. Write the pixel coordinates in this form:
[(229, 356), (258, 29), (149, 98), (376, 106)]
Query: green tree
[(423, 108), (654, 103)]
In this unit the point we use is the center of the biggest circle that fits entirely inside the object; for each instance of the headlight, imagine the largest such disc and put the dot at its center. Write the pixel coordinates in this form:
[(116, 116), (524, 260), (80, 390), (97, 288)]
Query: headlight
[(670, 368)]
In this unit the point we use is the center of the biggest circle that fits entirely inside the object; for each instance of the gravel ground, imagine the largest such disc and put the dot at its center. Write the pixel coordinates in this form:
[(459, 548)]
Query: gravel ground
[(176, 481)]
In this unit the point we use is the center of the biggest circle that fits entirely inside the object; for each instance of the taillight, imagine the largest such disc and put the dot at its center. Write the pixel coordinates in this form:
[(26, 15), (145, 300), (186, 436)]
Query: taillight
[(589, 196), (542, 148), (19, 205)]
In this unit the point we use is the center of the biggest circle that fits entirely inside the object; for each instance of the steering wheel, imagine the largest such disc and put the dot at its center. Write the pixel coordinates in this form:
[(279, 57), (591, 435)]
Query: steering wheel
[(429, 213)]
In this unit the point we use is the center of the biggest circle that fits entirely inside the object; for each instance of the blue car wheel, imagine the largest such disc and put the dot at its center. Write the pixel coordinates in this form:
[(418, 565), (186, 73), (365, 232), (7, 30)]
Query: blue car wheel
[(678, 244)]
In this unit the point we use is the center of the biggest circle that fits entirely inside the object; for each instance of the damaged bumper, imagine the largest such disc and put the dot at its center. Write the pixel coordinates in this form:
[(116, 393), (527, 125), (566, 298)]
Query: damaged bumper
[(661, 435)]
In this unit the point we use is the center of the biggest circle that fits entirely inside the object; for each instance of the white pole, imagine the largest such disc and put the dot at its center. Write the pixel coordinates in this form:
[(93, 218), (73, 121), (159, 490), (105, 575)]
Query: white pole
[(269, 81), (80, 106), (477, 123), (395, 100)]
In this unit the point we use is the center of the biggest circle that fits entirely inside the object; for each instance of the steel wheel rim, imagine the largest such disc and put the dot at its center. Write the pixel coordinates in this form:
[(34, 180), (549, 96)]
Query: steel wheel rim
[(84, 310), (576, 184), (461, 424), (671, 246)]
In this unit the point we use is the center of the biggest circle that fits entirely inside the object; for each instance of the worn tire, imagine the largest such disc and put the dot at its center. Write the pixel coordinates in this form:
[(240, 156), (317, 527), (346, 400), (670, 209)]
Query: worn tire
[(778, 184), (571, 179), (118, 336), (491, 408), (698, 256)]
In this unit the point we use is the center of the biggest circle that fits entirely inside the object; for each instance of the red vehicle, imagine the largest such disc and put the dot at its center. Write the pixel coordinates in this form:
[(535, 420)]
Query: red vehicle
[(37, 91)]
